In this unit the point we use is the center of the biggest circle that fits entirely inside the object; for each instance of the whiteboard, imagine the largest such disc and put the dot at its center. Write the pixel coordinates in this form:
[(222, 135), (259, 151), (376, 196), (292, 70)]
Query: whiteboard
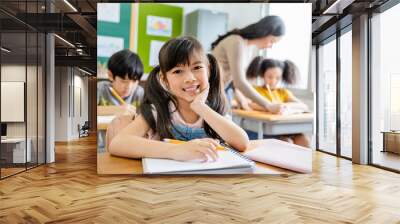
[(12, 101)]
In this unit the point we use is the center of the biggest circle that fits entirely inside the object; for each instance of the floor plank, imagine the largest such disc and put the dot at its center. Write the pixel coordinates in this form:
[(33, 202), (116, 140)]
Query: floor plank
[(69, 191)]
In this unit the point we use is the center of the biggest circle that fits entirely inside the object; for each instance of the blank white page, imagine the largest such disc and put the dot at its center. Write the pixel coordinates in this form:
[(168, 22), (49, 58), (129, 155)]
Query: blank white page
[(226, 160), (281, 154)]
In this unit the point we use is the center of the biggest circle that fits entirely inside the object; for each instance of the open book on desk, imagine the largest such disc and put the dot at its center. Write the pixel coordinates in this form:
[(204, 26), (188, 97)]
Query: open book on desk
[(228, 162), (281, 154), (290, 111)]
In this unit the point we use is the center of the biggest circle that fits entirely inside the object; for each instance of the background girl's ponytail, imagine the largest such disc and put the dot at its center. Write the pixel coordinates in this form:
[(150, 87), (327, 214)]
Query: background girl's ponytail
[(260, 65), (290, 72), (253, 71)]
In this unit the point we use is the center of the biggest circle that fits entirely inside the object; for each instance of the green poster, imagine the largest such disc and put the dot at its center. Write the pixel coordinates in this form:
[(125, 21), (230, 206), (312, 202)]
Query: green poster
[(157, 24)]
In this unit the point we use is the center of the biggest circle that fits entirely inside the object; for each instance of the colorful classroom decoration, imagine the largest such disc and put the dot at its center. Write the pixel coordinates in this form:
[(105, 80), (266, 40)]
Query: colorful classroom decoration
[(154, 24), (114, 29), (157, 24)]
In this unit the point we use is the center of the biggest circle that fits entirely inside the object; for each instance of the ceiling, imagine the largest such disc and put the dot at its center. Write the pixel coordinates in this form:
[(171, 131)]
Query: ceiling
[(77, 23), (332, 15)]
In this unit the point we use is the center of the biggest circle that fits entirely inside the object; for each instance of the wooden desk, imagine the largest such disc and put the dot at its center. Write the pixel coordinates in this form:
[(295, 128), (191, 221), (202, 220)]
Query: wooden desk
[(110, 110), (14, 150), (105, 114), (103, 121), (391, 141), (273, 124), (108, 164)]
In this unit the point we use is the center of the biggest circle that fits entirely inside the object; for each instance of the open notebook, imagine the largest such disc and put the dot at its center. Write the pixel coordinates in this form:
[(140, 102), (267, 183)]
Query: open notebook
[(229, 162), (281, 154), (290, 111)]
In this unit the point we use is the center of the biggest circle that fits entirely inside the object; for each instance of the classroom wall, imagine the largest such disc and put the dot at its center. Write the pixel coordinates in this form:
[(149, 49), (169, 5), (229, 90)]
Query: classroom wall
[(71, 102), (238, 17)]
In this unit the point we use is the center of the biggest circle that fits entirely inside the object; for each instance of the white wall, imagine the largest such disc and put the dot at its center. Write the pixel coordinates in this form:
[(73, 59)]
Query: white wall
[(80, 100), (295, 45), (67, 114), (239, 14), (61, 103)]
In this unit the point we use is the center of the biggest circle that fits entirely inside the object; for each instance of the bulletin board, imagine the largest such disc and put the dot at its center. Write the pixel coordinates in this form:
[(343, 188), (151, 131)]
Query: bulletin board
[(114, 31), (157, 24)]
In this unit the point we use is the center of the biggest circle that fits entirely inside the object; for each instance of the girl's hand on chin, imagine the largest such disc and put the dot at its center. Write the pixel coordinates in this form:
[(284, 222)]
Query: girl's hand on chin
[(200, 100)]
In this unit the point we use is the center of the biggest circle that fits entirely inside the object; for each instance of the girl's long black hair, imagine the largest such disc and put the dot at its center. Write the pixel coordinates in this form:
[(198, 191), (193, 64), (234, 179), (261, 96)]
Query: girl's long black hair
[(177, 51), (259, 65), (269, 25)]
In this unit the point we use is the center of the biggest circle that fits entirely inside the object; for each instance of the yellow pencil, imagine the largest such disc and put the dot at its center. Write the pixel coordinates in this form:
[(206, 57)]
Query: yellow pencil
[(270, 93), (116, 95), (175, 141)]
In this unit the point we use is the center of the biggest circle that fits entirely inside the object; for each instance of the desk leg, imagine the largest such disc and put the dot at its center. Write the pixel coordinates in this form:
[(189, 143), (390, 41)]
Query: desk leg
[(260, 130)]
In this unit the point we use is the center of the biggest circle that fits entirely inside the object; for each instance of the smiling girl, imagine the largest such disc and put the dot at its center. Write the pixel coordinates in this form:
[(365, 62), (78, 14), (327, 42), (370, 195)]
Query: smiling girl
[(183, 100)]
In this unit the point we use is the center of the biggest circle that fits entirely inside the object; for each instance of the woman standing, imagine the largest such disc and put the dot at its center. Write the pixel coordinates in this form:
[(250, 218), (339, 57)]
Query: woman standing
[(232, 50)]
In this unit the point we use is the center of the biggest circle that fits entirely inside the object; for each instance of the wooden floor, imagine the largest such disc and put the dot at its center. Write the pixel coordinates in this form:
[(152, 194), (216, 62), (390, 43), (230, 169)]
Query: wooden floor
[(70, 191), (387, 159), (10, 171)]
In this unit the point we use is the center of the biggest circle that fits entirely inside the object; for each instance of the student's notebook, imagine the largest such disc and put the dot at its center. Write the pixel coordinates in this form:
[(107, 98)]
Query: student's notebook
[(229, 162), (281, 154), (290, 111)]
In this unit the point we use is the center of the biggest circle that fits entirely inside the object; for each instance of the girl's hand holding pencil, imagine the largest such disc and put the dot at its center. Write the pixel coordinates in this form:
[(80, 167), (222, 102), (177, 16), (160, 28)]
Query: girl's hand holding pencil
[(276, 108)]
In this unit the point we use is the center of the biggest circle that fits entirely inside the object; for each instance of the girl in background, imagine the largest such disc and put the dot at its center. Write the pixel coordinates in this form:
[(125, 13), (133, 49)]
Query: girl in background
[(274, 73), (183, 100)]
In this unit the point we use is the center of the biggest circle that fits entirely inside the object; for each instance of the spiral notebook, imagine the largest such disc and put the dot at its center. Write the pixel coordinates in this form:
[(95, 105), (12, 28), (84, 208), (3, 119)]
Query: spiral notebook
[(229, 162)]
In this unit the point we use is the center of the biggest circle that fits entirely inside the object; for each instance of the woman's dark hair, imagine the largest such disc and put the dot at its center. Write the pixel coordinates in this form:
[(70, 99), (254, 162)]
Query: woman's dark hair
[(125, 63), (259, 65), (177, 51), (269, 25)]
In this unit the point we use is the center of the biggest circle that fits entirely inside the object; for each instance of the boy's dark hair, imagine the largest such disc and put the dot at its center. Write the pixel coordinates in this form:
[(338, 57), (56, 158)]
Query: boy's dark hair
[(269, 25), (259, 65), (125, 63), (177, 51)]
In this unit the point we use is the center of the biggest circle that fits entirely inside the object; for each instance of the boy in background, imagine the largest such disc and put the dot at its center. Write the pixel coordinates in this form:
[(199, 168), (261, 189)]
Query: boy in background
[(124, 71), (123, 94)]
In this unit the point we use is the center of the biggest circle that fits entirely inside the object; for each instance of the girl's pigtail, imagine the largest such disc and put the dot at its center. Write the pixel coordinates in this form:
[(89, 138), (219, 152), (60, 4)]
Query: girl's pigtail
[(216, 99), (253, 70), (290, 72), (155, 100)]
